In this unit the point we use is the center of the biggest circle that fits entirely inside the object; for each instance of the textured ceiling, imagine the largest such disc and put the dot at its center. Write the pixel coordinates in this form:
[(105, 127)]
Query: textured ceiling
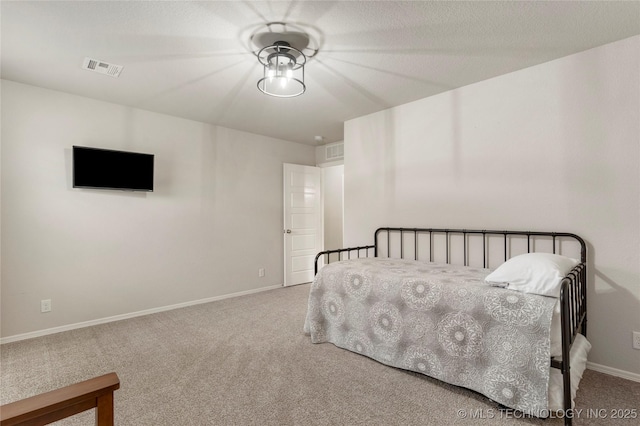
[(194, 59)]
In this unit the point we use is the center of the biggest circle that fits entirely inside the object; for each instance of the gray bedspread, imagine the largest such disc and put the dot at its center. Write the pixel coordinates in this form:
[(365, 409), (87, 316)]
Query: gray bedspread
[(440, 320)]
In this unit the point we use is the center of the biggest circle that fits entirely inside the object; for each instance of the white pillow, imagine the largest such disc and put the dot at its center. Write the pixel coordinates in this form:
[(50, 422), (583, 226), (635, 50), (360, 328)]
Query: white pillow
[(538, 273)]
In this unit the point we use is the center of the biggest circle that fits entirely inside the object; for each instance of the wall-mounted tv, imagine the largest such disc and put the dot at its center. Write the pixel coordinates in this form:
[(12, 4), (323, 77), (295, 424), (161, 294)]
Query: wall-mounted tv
[(109, 169)]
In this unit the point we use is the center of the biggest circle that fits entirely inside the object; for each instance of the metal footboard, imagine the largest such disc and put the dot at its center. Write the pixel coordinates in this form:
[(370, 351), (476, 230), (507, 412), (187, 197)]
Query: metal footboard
[(342, 254), (573, 320)]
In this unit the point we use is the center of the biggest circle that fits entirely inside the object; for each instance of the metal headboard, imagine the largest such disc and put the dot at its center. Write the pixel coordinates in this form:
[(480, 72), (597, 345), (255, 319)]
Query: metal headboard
[(377, 249), (506, 236)]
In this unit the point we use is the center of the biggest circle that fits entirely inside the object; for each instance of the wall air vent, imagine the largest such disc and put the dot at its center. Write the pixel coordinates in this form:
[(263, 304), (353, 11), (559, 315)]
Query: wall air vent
[(102, 67), (335, 151)]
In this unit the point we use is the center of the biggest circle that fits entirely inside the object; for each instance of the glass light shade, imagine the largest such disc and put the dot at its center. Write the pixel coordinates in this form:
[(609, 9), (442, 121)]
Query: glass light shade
[(283, 71)]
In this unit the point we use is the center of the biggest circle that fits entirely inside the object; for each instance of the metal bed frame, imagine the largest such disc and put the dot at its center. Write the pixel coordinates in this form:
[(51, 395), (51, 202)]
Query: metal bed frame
[(573, 291)]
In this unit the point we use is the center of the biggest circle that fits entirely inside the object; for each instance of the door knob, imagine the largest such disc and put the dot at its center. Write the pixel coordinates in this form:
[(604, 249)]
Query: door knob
[(288, 231)]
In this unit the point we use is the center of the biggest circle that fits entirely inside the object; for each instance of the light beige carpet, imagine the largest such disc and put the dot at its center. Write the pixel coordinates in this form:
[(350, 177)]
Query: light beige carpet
[(246, 361)]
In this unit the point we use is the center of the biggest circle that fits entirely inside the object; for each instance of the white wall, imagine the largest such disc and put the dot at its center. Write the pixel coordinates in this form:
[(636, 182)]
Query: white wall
[(554, 147), (332, 196), (332, 190), (214, 219)]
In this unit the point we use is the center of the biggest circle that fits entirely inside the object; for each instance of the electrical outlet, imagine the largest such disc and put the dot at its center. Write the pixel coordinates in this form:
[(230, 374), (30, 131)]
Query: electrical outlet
[(261, 272), (636, 340), (45, 305)]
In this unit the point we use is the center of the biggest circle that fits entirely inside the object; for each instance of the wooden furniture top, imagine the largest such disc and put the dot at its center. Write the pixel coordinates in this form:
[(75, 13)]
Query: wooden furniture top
[(49, 405)]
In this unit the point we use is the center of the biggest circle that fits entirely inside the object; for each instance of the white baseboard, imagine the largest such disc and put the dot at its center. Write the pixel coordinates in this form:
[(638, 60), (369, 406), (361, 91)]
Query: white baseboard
[(62, 328), (613, 371)]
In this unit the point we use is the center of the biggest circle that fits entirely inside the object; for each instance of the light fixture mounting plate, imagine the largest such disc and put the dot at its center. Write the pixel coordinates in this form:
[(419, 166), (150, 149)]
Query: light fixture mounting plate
[(305, 38), (295, 39)]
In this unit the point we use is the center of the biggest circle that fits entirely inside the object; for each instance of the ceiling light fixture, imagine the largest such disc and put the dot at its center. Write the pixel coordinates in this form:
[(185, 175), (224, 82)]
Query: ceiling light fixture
[(283, 70), (282, 50)]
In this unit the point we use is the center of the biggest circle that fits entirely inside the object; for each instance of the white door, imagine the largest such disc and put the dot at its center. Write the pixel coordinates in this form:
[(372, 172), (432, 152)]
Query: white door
[(302, 222)]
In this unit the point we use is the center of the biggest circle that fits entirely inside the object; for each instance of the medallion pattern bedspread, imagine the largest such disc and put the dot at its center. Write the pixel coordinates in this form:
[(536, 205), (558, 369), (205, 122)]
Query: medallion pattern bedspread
[(440, 320)]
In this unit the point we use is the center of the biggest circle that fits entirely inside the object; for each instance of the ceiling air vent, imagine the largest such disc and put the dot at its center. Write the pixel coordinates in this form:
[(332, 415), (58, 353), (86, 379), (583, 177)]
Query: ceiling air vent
[(334, 152), (102, 67)]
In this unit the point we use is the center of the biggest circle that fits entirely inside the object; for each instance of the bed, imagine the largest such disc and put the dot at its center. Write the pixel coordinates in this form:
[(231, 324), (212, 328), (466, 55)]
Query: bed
[(503, 313)]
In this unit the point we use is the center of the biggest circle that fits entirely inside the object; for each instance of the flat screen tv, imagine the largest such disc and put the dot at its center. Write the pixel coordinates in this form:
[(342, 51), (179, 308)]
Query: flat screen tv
[(109, 169)]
